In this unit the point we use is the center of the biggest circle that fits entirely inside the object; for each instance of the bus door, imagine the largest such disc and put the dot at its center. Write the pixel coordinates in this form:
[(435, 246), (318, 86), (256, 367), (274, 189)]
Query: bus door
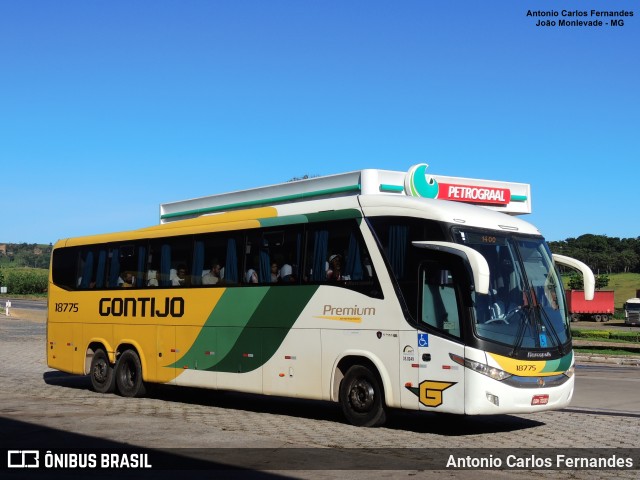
[(441, 380)]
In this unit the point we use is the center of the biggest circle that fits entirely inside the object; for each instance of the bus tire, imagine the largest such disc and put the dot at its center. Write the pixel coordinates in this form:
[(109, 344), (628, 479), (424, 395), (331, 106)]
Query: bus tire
[(103, 379), (129, 375), (361, 397)]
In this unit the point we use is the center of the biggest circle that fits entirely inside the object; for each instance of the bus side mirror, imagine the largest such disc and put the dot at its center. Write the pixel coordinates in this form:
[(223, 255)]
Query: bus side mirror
[(587, 275), (475, 260)]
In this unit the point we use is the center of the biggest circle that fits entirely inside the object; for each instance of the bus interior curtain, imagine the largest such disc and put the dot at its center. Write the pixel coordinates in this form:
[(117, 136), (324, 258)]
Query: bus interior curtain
[(298, 259), (231, 267), (265, 266), (114, 271), (354, 262), (139, 280), (198, 263), (398, 235), (320, 248), (87, 271), (165, 265), (102, 265)]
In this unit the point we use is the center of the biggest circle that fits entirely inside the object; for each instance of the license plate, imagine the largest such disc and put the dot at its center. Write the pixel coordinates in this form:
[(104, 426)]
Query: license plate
[(540, 400)]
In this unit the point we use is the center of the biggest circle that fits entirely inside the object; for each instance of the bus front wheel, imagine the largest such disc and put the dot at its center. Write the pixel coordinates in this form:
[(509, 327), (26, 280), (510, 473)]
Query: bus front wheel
[(361, 397), (129, 375), (102, 377)]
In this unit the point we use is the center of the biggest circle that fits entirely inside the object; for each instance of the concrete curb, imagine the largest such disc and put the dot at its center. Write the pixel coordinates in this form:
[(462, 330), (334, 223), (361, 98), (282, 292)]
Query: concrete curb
[(608, 359)]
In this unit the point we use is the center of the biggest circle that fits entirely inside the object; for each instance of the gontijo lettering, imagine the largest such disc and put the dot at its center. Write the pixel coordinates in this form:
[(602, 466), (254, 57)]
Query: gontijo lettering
[(141, 306)]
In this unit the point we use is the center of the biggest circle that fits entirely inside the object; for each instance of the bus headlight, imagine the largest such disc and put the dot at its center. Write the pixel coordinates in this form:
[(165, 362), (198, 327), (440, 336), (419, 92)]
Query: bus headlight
[(571, 371), (482, 368)]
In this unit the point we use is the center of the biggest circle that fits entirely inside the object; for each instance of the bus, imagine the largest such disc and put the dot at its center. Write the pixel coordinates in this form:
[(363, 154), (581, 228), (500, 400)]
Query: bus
[(375, 289)]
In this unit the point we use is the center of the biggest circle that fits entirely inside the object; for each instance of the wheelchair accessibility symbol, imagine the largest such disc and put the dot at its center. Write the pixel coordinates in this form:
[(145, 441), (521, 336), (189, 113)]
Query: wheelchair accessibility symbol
[(423, 340)]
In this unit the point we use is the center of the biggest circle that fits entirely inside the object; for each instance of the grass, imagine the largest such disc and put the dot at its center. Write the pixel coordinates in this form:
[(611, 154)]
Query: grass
[(605, 351), (624, 285)]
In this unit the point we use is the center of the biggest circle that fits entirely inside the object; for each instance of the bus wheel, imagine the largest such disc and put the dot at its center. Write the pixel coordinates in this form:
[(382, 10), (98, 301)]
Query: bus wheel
[(102, 377), (129, 375), (361, 397)]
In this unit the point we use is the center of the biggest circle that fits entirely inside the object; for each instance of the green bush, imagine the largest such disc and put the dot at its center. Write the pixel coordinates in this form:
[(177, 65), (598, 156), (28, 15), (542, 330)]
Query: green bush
[(594, 334), (25, 281), (604, 334), (626, 336)]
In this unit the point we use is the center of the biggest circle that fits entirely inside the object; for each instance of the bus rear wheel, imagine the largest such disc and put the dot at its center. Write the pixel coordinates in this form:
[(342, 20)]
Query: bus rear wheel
[(129, 375), (102, 377), (361, 397)]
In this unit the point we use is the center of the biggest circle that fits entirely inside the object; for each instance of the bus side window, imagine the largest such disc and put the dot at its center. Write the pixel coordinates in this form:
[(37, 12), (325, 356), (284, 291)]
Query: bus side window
[(65, 267), (257, 267), (336, 253), (439, 305)]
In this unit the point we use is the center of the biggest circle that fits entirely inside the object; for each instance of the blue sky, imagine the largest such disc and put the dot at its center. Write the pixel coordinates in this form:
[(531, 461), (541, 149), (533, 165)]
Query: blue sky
[(108, 109)]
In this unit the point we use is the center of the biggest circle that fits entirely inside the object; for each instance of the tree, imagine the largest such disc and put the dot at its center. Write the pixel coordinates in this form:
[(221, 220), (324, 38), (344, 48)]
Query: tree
[(576, 282), (627, 260), (602, 253)]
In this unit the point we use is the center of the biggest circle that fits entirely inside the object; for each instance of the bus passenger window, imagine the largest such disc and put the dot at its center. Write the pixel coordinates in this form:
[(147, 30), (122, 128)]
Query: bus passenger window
[(439, 305)]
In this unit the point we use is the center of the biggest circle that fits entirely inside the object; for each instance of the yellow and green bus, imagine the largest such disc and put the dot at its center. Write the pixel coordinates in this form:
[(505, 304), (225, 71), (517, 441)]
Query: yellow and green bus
[(369, 289)]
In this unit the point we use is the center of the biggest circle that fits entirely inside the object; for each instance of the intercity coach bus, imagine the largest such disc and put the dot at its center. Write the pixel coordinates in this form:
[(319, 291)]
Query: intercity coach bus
[(375, 289)]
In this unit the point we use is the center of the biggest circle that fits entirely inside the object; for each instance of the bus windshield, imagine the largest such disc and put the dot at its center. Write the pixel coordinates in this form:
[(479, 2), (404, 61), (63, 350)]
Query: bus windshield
[(525, 307)]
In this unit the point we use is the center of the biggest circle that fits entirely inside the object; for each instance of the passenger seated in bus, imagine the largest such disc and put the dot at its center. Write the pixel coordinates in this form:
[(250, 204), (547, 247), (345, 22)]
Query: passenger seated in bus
[(126, 280), (286, 274), (334, 272), (152, 278), (180, 279), (275, 273), (212, 276), (251, 276)]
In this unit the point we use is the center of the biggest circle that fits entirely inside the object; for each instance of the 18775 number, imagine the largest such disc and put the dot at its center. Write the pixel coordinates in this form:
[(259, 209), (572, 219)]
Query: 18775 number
[(66, 307)]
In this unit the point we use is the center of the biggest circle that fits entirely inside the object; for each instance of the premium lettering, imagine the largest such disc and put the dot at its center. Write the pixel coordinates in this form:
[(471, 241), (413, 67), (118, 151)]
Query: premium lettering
[(141, 307), (348, 311)]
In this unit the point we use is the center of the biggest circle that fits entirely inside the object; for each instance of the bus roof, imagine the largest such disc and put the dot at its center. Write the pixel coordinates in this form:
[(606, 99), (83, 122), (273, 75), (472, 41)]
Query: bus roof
[(507, 197)]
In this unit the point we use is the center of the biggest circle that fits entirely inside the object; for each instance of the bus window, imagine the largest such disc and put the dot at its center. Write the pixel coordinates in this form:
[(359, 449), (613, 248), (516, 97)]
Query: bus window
[(395, 235), (337, 254), (92, 267), (439, 305), (288, 255), (124, 269), (64, 267), (257, 266)]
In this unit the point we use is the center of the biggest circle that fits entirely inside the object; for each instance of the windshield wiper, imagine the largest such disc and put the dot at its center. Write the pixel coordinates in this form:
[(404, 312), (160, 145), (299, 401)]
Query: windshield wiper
[(552, 330), (526, 310)]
